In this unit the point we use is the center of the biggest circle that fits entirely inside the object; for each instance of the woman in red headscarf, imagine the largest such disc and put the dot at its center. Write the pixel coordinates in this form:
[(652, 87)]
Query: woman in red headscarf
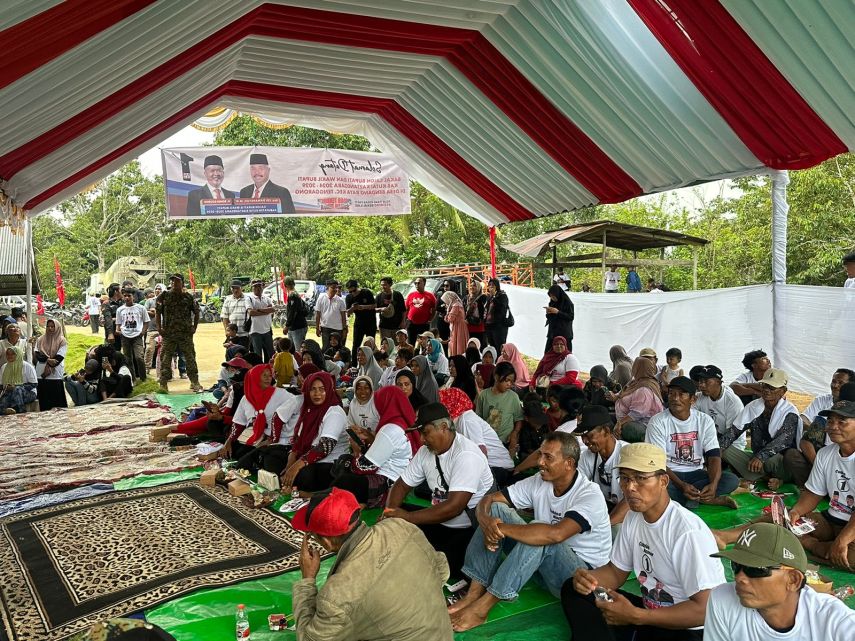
[(319, 437), (555, 364), (257, 409), (387, 452)]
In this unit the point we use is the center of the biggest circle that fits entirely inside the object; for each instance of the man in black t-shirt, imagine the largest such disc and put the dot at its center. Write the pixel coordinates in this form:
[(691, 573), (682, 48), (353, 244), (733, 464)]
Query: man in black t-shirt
[(296, 325), (391, 308), (360, 303)]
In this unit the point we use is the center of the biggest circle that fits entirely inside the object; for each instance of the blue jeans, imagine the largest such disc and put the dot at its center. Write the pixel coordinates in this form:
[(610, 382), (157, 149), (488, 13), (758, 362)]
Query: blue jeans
[(297, 337), (700, 479), (551, 565)]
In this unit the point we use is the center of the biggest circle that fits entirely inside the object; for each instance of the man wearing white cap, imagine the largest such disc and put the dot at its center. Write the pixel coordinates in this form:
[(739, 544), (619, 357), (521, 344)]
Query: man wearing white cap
[(667, 546)]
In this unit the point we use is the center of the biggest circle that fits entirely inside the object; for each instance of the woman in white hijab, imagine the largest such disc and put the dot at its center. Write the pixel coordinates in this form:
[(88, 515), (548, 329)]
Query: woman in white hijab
[(368, 366), (362, 411)]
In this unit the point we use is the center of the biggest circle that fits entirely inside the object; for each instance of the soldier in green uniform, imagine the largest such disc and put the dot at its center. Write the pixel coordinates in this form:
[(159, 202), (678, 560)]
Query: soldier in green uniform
[(176, 315)]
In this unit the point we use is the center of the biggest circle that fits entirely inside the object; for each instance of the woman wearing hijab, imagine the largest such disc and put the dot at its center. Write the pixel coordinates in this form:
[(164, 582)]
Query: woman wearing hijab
[(312, 348), (638, 402), (496, 315), (50, 352), (461, 377), (510, 354), (473, 352), (425, 381), (18, 382), (116, 378), (484, 370), (256, 409), (82, 387), (368, 366), (388, 450), (555, 364), (406, 382), (559, 317), (216, 424), (388, 345), (319, 437), (621, 372), (475, 312), (437, 361), (362, 411), (456, 319), (597, 386), (273, 456)]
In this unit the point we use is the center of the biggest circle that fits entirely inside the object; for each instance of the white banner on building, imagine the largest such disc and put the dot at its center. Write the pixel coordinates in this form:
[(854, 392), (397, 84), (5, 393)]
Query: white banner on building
[(235, 182)]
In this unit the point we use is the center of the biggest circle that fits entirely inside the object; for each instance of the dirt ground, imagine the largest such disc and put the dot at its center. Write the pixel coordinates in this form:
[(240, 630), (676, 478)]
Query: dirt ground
[(210, 352)]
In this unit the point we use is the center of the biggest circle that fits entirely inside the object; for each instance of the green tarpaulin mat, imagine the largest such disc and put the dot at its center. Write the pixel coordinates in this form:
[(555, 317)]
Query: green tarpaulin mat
[(151, 480), (180, 402)]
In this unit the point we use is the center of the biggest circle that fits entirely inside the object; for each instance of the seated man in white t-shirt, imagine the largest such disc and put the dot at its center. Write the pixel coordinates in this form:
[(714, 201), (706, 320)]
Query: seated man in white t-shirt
[(689, 439), (811, 437), (570, 530), (598, 462), (667, 546), (768, 599), (748, 384), (457, 475), (718, 401)]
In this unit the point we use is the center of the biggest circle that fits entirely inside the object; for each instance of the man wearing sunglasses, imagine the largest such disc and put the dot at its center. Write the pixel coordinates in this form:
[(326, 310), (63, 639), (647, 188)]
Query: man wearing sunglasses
[(667, 546), (768, 599)]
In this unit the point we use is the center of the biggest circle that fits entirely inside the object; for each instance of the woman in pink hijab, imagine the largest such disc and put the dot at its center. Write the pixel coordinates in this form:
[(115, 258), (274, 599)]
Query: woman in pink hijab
[(511, 354)]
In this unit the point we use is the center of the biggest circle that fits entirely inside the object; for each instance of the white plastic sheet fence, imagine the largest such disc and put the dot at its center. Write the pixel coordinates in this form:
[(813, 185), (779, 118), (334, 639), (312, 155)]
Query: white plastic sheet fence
[(806, 331)]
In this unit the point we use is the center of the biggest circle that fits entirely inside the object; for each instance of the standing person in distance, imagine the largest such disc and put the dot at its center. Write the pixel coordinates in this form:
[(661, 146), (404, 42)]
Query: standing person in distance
[(611, 280), (296, 311), (132, 323), (421, 307), (361, 303), (475, 312), (330, 316), (261, 314), (496, 313), (93, 306), (235, 311), (849, 266), (559, 317), (390, 306), (176, 318)]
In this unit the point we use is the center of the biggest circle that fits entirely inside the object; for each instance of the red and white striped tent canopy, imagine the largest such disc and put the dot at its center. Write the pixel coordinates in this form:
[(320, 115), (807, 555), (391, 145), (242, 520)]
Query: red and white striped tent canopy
[(508, 109)]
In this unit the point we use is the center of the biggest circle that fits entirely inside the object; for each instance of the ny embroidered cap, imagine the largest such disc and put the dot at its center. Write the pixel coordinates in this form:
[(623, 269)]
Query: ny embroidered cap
[(430, 413), (330, 513), (841, 408), (642, 457), (593, 416), (775, 378), (684, 383), (764, 545)]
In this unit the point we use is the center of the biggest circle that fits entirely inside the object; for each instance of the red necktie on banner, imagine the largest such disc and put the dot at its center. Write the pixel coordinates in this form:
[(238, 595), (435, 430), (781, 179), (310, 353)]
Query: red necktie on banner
[(192, 279), (256, 194), (60, 289), (217, 194)]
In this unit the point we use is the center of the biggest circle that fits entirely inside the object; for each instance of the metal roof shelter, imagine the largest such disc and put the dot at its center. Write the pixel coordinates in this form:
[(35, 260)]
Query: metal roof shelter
[(610, 234), (14, 254)]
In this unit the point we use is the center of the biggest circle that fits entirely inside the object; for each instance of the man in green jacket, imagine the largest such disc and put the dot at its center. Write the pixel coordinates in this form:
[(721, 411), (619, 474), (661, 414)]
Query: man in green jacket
[(385, 584)]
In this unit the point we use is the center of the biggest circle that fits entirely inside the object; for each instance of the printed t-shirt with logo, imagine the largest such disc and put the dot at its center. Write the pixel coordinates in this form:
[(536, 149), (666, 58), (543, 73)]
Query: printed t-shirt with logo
[(670, 557), (465, 469), (724, 412), (132, 320), (684, 442), (832, 475), (420, 307), (582, 502)]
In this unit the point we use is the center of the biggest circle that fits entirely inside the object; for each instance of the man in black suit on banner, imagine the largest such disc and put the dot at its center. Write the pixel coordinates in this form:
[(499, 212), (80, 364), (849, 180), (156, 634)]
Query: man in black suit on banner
[(261, 186), (213, 187)]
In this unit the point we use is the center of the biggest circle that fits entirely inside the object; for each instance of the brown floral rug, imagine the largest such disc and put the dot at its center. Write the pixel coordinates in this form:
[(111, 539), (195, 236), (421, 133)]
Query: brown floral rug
[(65, 567)]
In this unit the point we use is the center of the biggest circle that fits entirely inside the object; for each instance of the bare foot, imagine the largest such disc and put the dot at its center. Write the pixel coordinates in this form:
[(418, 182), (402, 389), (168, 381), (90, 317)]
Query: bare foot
[(726, 501), (468, 618), (474, 593), (719, 539)]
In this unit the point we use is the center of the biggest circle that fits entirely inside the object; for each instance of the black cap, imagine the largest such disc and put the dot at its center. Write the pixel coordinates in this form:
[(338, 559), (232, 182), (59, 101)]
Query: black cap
[(593, 416), (213, 160), (236, 282), (841, 408), (257, 281), (17, 312), (258, 159), (684, 383), (708, 371), (430, 413), (847, 392), (176, 277)]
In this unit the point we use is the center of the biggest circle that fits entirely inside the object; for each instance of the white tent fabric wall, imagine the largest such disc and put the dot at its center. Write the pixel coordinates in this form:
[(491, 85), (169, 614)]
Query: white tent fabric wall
[(806, 337)]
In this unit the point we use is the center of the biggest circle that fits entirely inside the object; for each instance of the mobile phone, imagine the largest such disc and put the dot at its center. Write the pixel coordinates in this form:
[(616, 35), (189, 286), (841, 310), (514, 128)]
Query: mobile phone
[(357, 439), (601, 594), (104, 361)]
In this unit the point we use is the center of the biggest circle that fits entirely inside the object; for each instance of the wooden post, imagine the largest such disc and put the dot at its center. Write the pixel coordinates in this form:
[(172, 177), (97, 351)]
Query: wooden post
[(604, 251), (554, 260), (695, 267)]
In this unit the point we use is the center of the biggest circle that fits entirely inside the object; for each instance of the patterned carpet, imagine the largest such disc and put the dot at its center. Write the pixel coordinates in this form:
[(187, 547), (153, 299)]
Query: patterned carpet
[(67, 566)]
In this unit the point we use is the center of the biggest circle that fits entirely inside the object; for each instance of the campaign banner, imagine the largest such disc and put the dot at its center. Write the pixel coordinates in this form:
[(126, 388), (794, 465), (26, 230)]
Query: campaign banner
[(235, 182)]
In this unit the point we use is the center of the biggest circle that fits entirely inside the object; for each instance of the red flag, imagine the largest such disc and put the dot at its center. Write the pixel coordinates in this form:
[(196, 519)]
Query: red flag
[(192, 279), (40, 305), (284, 291), (60, 288)]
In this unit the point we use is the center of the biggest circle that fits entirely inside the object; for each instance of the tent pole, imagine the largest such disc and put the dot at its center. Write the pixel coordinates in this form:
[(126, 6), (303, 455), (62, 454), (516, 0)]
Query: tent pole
[(780, 211), (29, 277), (604, 255), (695, 267), (554, 260), (493, 251)]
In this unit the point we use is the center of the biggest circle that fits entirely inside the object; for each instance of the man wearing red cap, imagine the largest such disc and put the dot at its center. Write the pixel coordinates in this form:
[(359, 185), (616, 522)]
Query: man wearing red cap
[(369, 592)]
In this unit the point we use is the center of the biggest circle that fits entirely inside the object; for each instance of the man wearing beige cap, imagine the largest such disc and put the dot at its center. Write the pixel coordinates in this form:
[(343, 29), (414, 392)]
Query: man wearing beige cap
[(768, 599), (773, 422), (667, 546)]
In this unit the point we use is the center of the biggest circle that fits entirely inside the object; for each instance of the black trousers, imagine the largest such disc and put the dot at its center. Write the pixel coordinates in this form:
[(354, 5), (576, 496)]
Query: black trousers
[(273, 458), (414, 330), (586, 621), (314, 477), (497, 336), (360, 333), (452, 542)]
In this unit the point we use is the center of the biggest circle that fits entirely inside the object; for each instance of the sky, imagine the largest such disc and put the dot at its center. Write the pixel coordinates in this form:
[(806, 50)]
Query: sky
[(692, 198)]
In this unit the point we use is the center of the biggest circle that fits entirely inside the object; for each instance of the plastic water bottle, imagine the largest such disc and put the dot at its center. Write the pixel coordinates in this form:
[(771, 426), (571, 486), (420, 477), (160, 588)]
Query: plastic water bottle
[(241, 624), (844, 592)]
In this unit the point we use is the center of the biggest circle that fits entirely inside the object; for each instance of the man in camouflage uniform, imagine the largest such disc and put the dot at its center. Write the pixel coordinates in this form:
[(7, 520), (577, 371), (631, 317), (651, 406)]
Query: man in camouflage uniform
[(176, 315)]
